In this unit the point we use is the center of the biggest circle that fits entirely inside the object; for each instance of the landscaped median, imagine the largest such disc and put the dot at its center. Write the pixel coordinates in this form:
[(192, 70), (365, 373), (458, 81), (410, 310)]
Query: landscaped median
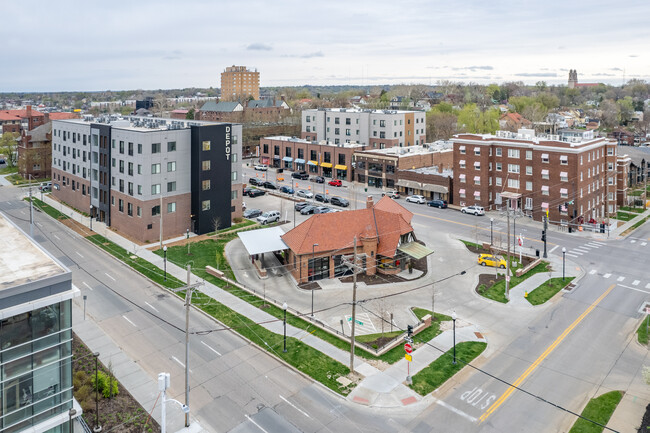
[(642, 331), (599, 410), (547, 290)]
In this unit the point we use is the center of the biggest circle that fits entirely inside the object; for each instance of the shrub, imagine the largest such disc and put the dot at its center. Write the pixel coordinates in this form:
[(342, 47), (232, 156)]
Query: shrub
[(107, 385)]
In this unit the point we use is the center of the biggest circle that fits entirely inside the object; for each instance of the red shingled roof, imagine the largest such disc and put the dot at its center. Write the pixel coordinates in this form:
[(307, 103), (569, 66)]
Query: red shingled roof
[(63, 116), (336, 231)]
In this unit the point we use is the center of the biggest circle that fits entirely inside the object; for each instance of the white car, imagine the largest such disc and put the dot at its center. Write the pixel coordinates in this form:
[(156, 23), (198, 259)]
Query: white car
[(304, 194), (416, 199), (261, 167), (474, 210), (269, 217)]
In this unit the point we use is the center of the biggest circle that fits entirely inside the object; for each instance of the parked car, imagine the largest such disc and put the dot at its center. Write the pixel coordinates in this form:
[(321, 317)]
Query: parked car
[(416, 199), (261, 167), (256, 193), (302, 175), (322, 209), (491, 260), (254, 181), (474, 210), (339, 201), (304, 194), (269, 185), (301, 205), (252, 213), (321, 198), (318, 179), (45, 186), (335, 182), (286, 189), (269, 217), (247, 190), (2, 161), (391, 194), (442, 204), (308, 210)]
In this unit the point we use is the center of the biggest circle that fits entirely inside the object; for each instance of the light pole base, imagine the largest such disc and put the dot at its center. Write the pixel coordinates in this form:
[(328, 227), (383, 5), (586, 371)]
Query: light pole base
[(97, 429), (409, 380)]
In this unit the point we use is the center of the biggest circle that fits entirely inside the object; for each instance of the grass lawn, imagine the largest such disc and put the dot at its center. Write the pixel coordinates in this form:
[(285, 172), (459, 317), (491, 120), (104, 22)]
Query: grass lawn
[(17, 179), (600, 410), (642, 333), (547, 290), (369, 338), (471, 244), (496, 292), (440, 370), (631, 209), (624, 216), (237, 226), (8, 170), (48, 209)]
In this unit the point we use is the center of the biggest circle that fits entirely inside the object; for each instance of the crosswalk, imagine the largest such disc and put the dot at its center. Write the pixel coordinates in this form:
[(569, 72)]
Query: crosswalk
[(621, 279), (585, 249)]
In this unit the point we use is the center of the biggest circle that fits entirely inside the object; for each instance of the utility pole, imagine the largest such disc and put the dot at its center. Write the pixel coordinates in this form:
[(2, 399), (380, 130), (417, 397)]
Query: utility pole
[(544, 233), (433, 303), (508, 249), (31, 209), (354, 303)]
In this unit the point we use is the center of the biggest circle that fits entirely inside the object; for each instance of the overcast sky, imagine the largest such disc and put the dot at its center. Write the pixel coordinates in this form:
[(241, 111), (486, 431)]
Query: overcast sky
[(115, 45)]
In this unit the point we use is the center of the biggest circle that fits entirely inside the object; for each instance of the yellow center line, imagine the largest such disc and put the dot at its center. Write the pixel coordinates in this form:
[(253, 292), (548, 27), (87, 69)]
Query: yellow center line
[(543, 356)]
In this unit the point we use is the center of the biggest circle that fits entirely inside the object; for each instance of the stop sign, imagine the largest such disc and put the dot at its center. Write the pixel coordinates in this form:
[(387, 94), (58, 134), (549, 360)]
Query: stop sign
[(408, 348)]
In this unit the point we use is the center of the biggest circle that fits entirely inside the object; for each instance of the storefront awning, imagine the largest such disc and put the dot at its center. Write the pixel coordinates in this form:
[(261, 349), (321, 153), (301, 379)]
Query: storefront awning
[(435, 188), (287, 159), (312, 163), (263, 240), (326, 164), (415, 250), (300, 161), (341, 167), (276, 156), (408, 184)]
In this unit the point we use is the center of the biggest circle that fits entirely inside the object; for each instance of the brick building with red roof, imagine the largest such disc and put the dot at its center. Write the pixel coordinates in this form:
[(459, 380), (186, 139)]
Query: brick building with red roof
[(382, 231)]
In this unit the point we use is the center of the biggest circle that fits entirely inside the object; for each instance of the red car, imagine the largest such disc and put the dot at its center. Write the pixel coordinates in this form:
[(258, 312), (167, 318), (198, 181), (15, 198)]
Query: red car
[(335, 182)]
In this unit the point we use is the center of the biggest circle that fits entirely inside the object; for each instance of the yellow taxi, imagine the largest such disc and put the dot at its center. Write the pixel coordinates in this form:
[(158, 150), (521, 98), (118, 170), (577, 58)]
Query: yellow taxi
[(491, 260)]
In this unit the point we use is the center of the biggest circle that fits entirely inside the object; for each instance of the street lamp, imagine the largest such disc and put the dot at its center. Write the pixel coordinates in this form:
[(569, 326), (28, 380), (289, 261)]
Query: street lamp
[(491, 237), (97, 427), (453, 318), (91, 218), (284, 307), (72, 412), (165, 261), (188, 242), (563, 262), (313, 276)]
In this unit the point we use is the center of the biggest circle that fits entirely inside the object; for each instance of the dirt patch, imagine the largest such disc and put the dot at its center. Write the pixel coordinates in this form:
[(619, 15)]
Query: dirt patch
[(121, 413), (374, 279), (77, 227), (310, 285)]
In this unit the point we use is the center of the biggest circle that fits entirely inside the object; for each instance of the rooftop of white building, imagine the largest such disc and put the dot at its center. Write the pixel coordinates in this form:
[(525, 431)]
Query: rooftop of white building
[(433, 170), (363, 110), (348, 144), (141, 123), (438, 146)]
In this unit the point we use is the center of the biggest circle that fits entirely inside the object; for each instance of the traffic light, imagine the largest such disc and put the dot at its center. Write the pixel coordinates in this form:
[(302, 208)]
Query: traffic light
[(543, 235), (409, 330)]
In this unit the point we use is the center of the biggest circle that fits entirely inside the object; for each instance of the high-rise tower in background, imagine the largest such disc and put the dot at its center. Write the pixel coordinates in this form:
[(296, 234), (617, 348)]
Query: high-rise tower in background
[(239, 83)]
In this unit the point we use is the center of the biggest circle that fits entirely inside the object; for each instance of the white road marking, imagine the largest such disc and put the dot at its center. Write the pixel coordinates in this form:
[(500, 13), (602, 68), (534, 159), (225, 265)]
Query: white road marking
[(635, 282), (85, 284), (79, 254), (256, 424), (152, 307), (593, 244), (454, 410), (647, 286), (589, 247), (620, 279), (127, 319), (582, 249), (571, 255), (552, 249), (294, 406), (177, 360), (576, 252), (607, 275), (109, 276), (643, 244), (39, 224), (598, 243), (203, 343), (22, 212), (633, 288), (58, 238), (632, 241), (593, 271)]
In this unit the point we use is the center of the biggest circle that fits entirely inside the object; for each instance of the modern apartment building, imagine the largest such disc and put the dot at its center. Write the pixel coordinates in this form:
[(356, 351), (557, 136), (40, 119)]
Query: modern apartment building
[(36, 294), (138, 173), (377, 129), (317, 158), (573, 175), (238, 83)]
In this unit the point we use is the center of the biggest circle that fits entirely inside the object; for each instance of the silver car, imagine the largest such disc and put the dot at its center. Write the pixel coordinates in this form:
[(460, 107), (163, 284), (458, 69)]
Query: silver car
[(304, 194)]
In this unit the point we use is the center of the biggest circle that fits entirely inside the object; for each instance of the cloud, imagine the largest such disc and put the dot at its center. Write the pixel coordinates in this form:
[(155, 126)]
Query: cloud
[(536, 74), (306, 56), (602, 74), (615, 69), (174, 55), (633, 55), (258, 46), (474, 68)]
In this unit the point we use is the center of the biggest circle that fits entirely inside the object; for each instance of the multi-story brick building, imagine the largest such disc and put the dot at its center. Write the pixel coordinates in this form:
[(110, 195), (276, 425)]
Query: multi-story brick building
[(574, 177), (137, 173), (317, 158), (19, 120), (238, 83), (381, 167), (35, 152), (377, 129), (36, 295)]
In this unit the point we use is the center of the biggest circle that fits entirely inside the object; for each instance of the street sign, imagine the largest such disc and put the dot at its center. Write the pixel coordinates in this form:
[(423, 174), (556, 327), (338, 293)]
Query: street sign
[(520, 241), (408, 357), (408, 348), (507, 277)]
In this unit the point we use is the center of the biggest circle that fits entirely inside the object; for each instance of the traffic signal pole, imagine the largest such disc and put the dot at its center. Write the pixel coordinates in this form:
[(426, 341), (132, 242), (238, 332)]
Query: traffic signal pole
[(544, 235)]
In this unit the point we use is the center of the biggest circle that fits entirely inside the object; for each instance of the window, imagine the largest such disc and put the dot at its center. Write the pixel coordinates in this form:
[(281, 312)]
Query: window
[(130, 169), (498, 151), (155, 147), (171, 186), (205, 205), (564, 160), (545, 158), (155, 189), (129, 209), (382, 134), (462, 150), (139, 189), (498, 181), (155, 210), (130, 188), (337, 120), (513, 168), (171, 146), (155, 168), (382, 123), (529, 170), (529, 203), (171, 166), (513, 153), (513, 183), (499, 166), (205, 165), (529, 186), (139, 169), (337, 131), (545, 190), (610, 151), (610, 181), (477, 151), (308, 119), (545, 174), (347, 121), (462, 163), (121, 205), (121, 147), (529, 155), (477, 165), (131, 149), (233, 175), (113, 162), (139, 151), (347, 132), (205, 185), (610, 166), (171, 207)]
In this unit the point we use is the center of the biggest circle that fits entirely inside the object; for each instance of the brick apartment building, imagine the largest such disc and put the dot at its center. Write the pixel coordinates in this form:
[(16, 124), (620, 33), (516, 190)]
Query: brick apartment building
[(382, 167), (265, 110), (137, 173), (18, 120), (316, 158), (238, 83), (377, 129), (575, 177)]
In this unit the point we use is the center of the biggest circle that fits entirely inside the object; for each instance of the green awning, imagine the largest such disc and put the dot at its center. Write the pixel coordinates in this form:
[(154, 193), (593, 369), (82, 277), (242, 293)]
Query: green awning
[(415, 250)]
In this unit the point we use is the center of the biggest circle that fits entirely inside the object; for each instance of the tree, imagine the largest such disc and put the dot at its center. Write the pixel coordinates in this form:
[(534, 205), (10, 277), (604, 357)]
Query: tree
[(609, 113), (440, 126), (9, 147), (190, 114), (626, 110)]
